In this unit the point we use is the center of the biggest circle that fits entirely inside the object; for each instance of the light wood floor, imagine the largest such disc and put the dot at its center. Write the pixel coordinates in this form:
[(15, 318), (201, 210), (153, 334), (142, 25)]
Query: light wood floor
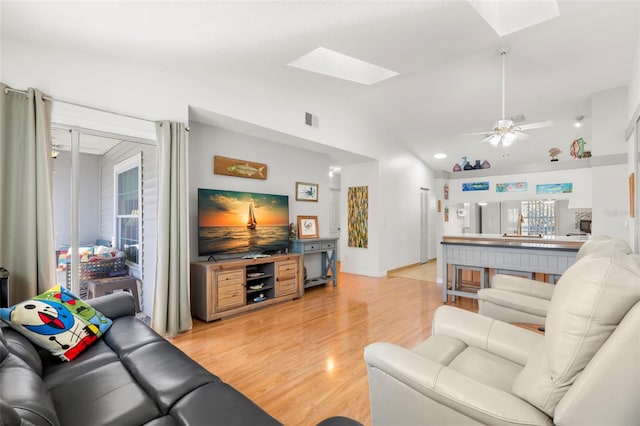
[(302, 361)]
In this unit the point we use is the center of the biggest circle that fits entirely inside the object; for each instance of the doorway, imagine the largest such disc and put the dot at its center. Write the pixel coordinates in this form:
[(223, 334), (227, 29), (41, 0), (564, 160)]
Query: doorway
[(91, 191)]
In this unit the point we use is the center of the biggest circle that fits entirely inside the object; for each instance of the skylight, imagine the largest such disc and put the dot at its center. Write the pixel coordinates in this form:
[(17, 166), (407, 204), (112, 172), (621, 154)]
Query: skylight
[(508, 17), (334, 64)]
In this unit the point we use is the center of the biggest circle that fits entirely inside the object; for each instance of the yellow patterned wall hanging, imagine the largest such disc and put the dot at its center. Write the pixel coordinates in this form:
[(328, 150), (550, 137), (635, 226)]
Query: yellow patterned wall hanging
[(358, 216)]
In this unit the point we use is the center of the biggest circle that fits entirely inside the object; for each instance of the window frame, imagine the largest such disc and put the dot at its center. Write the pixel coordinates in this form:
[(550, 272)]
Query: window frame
[(539, 206), (119, 168)]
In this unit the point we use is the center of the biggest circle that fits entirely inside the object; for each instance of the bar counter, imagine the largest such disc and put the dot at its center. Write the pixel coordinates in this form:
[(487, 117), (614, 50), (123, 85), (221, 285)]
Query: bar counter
[(550, 255)]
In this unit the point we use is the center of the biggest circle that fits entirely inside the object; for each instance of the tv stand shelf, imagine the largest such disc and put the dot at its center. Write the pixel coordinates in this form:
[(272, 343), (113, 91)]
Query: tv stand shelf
[(220, 289)]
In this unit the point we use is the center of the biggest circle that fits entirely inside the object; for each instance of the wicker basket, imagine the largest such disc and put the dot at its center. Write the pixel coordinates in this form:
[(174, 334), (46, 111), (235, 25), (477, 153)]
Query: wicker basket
[(97, 269)]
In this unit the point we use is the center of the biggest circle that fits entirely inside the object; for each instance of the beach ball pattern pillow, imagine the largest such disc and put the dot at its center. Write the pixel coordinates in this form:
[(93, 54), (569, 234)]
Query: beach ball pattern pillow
[(57, 320)]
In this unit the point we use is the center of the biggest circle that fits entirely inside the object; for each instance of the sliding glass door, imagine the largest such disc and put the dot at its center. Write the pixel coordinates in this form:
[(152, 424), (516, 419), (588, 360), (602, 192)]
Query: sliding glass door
[(99, 181)]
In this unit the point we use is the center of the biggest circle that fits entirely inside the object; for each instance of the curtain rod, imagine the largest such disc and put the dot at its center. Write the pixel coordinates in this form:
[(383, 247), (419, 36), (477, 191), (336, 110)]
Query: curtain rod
[(48, 98)]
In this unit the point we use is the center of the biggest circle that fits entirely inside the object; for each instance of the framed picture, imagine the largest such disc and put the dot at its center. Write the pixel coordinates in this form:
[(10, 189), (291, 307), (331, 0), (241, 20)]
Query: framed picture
[(307, 227), (306, 191)]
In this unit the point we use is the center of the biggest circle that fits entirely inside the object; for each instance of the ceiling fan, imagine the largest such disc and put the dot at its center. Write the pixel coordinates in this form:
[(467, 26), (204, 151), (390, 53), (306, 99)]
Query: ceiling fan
[(505, 131)]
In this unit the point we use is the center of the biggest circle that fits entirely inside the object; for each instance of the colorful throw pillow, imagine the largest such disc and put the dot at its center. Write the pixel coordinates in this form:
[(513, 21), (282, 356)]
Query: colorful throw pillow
[(57, 320)]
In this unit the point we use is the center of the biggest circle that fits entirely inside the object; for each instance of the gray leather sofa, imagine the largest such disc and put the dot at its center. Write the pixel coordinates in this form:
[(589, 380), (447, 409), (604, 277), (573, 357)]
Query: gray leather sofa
[(517, 299), (478, 370), (131, 376)]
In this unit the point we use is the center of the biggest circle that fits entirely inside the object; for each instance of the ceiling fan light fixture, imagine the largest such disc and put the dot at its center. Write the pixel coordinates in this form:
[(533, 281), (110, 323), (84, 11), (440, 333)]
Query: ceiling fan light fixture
[(505, 131), (494, 140), (509, 138)]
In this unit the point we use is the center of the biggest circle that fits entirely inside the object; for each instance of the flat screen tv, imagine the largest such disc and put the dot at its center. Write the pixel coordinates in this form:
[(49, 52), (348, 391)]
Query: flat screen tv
[(235, 223)]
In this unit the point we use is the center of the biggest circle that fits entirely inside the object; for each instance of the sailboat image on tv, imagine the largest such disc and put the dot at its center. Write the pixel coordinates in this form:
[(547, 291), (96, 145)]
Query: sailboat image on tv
[(251, 221), (228, 223)]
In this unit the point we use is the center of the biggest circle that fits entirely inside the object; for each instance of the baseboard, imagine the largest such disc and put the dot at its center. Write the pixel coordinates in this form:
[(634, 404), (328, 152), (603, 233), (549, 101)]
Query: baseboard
[(402, 268)]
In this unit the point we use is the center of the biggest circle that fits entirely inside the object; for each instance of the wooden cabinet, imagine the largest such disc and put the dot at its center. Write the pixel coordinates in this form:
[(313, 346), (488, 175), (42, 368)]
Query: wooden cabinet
[(229, 287), (287, 278)]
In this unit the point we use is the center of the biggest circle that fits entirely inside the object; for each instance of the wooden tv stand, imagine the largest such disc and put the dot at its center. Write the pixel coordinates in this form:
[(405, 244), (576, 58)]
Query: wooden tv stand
[(223, 288)]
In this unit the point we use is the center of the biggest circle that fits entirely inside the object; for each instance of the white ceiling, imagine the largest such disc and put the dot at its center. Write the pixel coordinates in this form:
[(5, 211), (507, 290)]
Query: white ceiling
[(445, 52), (88, 143)]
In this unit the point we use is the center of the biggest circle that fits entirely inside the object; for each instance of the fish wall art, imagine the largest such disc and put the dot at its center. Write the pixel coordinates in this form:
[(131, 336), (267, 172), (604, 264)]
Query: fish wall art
[(240, 168)]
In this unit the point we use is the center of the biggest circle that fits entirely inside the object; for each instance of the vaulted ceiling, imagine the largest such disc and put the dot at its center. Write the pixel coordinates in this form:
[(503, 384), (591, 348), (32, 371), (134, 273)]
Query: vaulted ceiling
[(449, 80)]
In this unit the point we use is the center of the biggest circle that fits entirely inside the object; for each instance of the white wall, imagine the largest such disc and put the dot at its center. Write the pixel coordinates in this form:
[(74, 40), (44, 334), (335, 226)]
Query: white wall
[(285, 166), (611, 195), (610, 183), (401, 177), (358, 260), (609, 109)]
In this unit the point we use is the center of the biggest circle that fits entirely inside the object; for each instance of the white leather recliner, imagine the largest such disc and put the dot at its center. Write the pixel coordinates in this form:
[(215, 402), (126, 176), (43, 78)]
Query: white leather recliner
[(517, 299), (477, 370)]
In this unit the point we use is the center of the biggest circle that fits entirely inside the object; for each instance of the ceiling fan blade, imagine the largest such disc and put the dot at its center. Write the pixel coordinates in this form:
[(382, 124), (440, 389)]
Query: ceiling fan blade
[(486, 139), (535, 125), (477, 133), (522, 136)]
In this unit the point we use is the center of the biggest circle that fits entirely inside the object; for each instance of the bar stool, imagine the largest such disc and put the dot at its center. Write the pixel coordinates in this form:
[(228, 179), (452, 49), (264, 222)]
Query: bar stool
[(456, 279), (101, 286)]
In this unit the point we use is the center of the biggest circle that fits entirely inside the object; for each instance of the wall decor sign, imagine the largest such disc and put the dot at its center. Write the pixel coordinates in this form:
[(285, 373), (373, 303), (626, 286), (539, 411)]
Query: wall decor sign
[(239, 168), (306, 191), (475, 186), (511, 187), (554, 188), (358, 216), (307, 227)]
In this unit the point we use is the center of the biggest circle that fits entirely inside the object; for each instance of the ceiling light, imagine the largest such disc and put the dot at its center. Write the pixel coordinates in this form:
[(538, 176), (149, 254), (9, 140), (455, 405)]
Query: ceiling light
[(577, 122), (509, 138), (334, 64), (440, 156), (494, 140)]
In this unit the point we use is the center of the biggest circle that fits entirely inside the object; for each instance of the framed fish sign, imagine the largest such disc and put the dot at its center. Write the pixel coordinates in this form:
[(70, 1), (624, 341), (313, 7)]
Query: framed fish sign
[(306, 191), (239, 168)]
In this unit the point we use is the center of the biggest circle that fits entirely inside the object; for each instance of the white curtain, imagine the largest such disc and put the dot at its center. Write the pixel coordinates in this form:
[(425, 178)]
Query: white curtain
[(26, 207), (171, 305)]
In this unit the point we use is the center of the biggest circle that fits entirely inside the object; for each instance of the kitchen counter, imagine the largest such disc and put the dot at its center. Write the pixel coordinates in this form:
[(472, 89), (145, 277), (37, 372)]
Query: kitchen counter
[(574, 241), (519, 254)]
